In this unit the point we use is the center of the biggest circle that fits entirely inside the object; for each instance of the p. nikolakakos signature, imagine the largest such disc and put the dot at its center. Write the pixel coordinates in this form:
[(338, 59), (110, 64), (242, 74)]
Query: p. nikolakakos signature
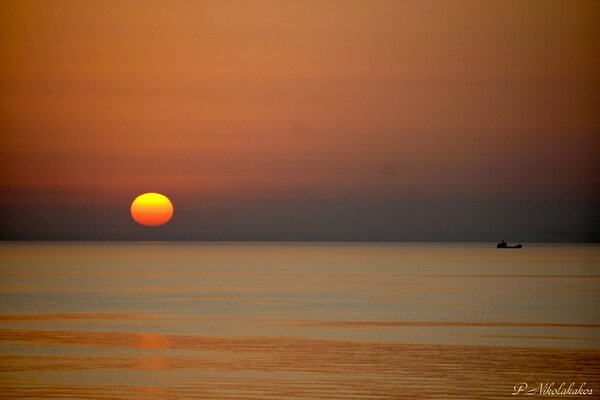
[(552, 389)]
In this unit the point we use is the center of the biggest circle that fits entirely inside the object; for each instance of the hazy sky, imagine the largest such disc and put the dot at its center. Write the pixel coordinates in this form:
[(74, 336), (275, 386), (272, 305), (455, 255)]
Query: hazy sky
[(310, 120)]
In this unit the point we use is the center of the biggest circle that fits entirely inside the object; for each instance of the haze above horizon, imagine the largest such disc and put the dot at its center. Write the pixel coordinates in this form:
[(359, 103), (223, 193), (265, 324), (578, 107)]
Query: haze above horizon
[(296, 120)]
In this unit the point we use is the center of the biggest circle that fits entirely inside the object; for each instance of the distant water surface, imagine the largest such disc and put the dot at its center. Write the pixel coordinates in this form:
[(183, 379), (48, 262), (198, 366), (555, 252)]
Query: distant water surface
[(172, 320)]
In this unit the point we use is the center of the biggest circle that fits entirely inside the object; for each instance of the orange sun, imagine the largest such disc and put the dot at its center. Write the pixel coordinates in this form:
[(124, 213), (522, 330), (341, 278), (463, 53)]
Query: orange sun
[(152, 209)]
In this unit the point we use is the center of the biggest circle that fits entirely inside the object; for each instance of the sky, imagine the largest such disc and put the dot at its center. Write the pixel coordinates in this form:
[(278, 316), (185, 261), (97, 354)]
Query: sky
[(301, 120)]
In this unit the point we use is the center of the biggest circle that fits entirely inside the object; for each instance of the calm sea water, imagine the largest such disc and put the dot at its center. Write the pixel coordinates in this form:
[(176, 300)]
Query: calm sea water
[(295, 321)]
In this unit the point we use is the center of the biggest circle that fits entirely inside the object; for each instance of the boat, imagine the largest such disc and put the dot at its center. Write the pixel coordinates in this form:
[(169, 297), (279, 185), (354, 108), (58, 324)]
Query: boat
[(504, 245)]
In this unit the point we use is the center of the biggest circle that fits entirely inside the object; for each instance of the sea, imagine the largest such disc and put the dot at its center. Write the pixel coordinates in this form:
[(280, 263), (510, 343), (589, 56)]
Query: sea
[(277, 320)]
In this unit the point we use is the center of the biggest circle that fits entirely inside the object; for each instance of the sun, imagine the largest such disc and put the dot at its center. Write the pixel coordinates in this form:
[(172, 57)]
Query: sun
[(152, 209)]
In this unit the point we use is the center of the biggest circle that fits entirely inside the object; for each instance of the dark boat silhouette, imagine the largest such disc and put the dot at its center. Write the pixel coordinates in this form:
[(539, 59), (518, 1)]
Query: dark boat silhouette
[(504, 245)]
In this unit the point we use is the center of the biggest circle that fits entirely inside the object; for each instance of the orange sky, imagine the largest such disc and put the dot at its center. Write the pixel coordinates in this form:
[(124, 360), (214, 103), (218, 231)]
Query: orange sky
[(299, 99)]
